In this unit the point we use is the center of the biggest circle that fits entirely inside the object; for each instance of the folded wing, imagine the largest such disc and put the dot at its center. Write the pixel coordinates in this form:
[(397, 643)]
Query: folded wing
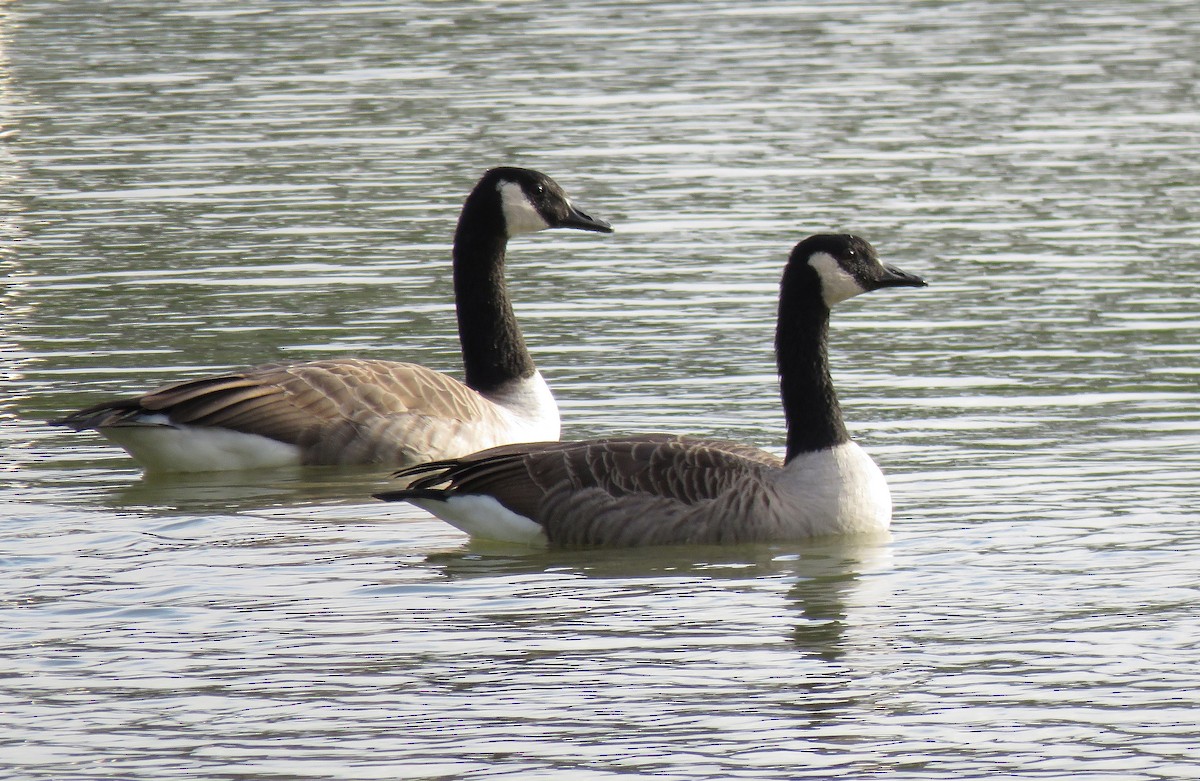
[(335, 411), (623, 491)]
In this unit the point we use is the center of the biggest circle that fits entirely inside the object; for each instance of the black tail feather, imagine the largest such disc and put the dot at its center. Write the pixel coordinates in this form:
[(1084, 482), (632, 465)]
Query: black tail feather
[(405, 494), (422, 469)]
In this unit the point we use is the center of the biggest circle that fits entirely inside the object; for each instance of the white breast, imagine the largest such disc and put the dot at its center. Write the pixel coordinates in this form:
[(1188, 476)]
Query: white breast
[(530, 408), (836, 491)]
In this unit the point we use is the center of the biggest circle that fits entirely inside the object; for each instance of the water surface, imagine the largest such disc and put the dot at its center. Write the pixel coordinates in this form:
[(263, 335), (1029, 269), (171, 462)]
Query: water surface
[(187, 188)]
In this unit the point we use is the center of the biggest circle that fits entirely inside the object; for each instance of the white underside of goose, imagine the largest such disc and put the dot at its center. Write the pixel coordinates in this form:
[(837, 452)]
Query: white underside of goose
[(485, 518), (161, 446)]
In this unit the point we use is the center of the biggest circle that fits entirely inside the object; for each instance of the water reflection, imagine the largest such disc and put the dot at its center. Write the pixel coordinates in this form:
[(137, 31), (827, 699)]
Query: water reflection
[(246, 491), (826, 575), (16, 308)]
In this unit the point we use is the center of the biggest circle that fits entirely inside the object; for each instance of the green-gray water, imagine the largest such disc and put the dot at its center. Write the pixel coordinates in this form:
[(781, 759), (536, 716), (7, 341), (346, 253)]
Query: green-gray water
[(186, 187)]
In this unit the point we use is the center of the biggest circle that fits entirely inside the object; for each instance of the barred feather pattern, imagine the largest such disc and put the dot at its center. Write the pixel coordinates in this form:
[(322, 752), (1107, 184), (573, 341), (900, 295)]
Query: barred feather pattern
[(341, 411), (648, 490)]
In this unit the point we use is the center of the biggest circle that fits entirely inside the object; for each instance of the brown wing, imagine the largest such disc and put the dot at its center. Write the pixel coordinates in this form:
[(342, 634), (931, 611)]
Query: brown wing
[(635, 490), (336, 411)]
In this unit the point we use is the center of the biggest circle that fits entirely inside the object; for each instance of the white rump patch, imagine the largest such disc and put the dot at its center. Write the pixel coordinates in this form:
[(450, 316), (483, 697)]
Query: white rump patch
[(169, 448), (520, 215), (484, 517), (837, 284)]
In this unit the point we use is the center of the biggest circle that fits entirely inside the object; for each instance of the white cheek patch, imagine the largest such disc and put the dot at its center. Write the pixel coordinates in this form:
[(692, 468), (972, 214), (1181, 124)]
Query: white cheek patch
[(837, 284), (520, 215)]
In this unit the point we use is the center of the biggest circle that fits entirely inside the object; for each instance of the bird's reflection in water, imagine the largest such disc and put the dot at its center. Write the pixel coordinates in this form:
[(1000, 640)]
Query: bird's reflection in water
[(207, 492), (827, 575), (830, 578)]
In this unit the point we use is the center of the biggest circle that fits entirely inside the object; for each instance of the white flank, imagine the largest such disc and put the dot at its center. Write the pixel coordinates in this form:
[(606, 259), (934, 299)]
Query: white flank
[(485, 518), (166, 448), (837, 284), (520, 216)]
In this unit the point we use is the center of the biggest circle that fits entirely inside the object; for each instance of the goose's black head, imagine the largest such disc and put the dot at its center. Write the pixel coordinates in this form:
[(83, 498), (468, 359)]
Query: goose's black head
[(845, 266), (530, 201)]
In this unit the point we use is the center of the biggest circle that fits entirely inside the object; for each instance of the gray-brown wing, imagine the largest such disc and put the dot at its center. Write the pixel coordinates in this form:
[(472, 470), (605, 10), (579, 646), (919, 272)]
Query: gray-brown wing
[(336, 411), (625, 491)]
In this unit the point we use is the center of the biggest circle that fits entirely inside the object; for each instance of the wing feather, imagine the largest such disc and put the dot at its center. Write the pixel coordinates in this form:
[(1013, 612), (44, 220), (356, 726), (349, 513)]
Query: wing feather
[(626, 491), (337, 411)]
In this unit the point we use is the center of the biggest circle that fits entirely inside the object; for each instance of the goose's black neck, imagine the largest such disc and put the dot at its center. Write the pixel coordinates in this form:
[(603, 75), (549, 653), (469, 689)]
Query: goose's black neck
[(810, 405), (493, 348)]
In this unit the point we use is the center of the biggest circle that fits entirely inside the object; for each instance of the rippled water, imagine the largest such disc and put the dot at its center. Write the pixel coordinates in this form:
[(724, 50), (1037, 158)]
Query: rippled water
[(188, 187)]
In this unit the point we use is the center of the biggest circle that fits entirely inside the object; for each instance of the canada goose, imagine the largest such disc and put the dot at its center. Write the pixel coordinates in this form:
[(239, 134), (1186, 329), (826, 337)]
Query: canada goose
[(366, 411), (658, 489)]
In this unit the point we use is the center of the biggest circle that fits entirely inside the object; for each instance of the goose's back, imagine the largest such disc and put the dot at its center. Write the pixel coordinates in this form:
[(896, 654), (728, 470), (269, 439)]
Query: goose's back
[(338, 411)]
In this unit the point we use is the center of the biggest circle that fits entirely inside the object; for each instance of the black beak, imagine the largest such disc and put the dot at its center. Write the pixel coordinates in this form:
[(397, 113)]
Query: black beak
[(577, 219), (894, 277)]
